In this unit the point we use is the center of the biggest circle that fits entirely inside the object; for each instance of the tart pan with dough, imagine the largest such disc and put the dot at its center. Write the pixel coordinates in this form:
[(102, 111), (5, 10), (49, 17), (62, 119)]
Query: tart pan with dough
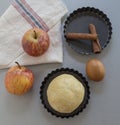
[(64, 92)]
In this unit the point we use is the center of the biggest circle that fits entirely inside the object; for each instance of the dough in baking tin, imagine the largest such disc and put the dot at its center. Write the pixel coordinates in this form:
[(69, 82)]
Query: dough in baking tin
[(65, 93)]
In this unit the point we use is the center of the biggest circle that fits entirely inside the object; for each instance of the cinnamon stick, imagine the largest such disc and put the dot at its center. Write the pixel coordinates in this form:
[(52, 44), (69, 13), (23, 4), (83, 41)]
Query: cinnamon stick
[(84, 36), (95, 43)]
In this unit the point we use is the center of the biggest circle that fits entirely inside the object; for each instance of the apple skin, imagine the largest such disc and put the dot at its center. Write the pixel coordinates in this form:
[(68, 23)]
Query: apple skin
[(19, 80), (35, 42)]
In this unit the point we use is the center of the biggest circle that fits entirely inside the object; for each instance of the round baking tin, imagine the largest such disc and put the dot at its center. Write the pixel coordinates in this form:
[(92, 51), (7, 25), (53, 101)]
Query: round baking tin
[(50, 77), (78, 22)]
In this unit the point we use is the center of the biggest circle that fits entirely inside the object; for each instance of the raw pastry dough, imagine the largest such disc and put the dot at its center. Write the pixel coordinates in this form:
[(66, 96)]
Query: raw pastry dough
[(65, 93)]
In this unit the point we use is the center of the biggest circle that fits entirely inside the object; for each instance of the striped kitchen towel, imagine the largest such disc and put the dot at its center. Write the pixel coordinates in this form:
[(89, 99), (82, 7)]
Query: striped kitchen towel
[(23, 15)]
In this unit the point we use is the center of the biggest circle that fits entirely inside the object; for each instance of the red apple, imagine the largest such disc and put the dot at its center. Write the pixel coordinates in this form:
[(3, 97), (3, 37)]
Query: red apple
[(35, 42), (18, 80)]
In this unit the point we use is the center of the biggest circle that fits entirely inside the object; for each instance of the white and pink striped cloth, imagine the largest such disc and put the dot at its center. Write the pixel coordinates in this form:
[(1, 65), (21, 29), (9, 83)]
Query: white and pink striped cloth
[(20, 17)]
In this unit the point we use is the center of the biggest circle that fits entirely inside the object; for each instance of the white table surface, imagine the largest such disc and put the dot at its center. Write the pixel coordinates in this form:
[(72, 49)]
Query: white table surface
[(104, 104)]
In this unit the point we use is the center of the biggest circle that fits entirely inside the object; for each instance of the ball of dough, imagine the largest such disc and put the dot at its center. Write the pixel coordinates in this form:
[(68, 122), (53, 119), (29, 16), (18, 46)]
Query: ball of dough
[(65, 93)]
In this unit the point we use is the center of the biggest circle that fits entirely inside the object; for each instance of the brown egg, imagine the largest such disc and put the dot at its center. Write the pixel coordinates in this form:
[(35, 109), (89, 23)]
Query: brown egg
[(95, 70)]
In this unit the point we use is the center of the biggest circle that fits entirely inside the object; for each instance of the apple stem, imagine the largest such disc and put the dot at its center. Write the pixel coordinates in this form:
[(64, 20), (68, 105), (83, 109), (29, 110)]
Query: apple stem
[(18, 65), (35, 34)]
